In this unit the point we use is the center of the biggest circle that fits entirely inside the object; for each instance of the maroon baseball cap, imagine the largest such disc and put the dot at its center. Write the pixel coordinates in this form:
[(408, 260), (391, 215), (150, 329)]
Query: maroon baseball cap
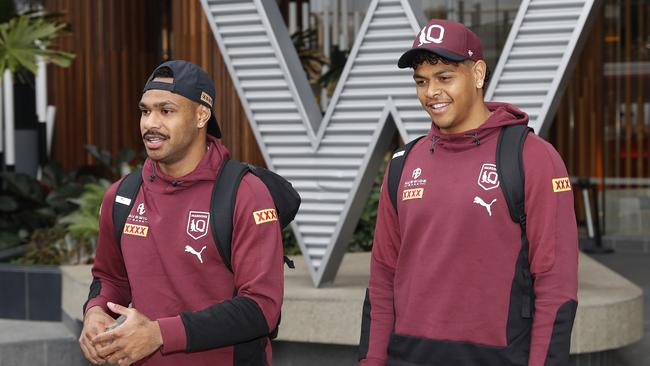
[(450, 40)]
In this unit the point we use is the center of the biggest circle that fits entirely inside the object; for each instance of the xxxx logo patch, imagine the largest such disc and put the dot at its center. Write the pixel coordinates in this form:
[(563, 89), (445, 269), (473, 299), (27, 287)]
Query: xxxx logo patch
[(561, 184), (137, 230), (409, 194), (266, 215)]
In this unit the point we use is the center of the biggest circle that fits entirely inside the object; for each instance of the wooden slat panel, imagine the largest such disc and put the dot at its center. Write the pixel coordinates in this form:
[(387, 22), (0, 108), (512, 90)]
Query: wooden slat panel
[(96, 98), (576, 130)]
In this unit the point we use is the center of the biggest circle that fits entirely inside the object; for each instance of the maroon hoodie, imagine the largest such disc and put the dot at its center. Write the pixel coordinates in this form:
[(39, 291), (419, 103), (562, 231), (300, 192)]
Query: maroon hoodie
[(443, 265), (170, 269)]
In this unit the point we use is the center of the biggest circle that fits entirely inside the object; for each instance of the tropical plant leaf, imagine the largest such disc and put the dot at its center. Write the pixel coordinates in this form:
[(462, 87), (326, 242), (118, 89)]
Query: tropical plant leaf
[(124, 156), (24, 38), (9, 239), (8, 204), (103, 156)]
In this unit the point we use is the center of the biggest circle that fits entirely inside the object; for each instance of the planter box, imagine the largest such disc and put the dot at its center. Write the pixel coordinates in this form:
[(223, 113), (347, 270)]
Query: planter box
[(30, 292)]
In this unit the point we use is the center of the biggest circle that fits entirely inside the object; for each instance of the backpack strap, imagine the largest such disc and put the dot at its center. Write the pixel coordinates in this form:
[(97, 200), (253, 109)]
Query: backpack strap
[(510, 169), (395, 168), (125, 196), (222, 206)]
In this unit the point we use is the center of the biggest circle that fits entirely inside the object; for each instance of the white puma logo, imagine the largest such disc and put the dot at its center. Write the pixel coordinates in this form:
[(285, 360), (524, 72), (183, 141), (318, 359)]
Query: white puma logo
[(189, 249), (480, 201)]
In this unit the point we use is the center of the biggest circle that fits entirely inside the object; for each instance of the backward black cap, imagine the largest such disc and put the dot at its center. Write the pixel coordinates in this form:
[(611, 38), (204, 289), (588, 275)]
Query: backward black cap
[(191, 82)]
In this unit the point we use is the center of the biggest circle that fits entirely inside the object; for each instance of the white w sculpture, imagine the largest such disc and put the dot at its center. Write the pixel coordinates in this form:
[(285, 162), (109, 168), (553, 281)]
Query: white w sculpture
[(330, 160)]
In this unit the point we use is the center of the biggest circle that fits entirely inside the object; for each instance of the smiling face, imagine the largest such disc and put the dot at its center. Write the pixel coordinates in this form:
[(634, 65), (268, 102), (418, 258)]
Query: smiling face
[(172, 128), (452, 94)]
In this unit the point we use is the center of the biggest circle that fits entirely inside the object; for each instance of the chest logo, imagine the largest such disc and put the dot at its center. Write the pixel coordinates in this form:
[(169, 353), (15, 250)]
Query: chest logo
[(141, 210), (416, 173), (410, 194), (137, 230), (197, 224), (189, 249), (266, 215), (478, 200), (561, 185), (488, 177)]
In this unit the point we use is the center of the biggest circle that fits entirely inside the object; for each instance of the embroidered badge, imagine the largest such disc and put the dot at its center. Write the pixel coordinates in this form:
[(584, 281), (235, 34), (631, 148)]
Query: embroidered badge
[(488, 177), (197, 224), (410, 194), (266, 215), (561, 184), (137, 230)]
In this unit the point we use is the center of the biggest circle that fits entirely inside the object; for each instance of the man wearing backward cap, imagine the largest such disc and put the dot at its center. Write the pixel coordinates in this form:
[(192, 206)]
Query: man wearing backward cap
[(187, 306)]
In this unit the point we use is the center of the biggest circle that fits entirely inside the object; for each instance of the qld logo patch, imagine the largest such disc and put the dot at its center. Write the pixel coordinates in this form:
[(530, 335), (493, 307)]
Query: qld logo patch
[(488, 177), (197, 224), (137, 230), (264, 216), (561, 184), (410, 194)]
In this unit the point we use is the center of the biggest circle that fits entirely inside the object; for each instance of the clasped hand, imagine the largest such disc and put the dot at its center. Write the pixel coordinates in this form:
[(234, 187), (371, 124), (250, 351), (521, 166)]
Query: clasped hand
[(125, 344)]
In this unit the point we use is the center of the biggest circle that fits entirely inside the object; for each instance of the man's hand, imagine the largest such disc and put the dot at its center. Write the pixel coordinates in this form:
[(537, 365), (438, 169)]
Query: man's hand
[(136, 338), (95, 321)]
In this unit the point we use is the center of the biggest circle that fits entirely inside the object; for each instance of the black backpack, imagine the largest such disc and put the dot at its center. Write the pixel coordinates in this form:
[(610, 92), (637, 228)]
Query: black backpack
[(510, 170), (222, 204)]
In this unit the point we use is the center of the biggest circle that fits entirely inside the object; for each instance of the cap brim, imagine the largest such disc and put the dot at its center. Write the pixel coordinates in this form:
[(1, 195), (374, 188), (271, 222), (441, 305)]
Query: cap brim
[(213, 127), (406, 60)]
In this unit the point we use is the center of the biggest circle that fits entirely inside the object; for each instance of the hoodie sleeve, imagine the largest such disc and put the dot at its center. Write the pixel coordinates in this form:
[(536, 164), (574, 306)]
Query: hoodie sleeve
[(110, 281), (378, 313), (257, 264), (553, 243)]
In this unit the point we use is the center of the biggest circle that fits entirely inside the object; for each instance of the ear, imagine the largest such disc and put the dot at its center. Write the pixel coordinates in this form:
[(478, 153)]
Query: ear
[(202, 116), (479, 70)]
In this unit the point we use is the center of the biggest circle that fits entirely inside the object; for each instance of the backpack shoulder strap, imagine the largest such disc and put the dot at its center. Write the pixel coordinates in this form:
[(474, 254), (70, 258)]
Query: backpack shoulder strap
[(222, 206), (395, 168), (510, 169), (125, 196)]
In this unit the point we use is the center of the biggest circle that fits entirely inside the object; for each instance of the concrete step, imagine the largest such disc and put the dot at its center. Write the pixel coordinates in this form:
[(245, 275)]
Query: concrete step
[(37, 343)]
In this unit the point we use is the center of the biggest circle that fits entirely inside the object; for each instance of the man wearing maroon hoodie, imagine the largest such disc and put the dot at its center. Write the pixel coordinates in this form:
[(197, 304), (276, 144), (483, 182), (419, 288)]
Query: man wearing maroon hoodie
[(442, 285), (187, 307)]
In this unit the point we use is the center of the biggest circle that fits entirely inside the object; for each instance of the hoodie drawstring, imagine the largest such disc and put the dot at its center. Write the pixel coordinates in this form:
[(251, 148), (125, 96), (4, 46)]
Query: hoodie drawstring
[(477, 140), (152, 174), (434, 141)]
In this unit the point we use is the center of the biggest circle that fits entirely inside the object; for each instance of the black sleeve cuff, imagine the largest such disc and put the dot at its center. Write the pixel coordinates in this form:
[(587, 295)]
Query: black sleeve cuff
[(230, 322), (558, 349)]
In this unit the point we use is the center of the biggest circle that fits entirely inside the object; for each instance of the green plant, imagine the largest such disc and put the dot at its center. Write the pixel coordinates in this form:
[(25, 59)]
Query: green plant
[(72, 239), (82, 223), (312, 59), (290, 243), (364, 232), (27, 204), (123, 163), (45, 247), (332, 76), (28, 36)]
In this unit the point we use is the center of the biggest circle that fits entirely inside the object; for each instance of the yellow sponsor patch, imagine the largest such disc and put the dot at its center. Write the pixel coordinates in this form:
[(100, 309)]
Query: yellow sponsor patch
[(206, 98), (410, 194), (137, 230), (561, 184), (266, 215)]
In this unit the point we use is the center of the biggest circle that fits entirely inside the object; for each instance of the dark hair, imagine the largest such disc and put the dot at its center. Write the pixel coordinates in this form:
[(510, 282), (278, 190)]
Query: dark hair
[(163, 72), (433, 59)]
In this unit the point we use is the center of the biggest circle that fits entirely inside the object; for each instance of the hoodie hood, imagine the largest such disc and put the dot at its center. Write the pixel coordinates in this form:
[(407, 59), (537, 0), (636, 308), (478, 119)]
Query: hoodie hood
[(207, 169), (502, 114)]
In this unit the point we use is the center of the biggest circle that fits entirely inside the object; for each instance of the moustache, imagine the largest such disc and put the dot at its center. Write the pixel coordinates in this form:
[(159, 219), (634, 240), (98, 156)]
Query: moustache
[(148, 134)]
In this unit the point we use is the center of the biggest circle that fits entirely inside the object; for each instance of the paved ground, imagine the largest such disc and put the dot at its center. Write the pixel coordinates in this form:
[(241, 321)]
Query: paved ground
[(635, 266), (37, 343)]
